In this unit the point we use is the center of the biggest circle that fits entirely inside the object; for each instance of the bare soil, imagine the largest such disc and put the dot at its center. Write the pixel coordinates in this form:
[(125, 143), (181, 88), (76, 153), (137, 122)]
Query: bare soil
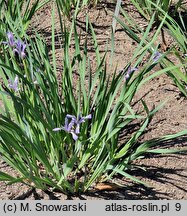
[(166, 175)]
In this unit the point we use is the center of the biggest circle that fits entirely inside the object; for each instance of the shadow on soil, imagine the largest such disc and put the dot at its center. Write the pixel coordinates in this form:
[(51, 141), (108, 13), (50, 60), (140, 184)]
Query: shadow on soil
[(132, 191)]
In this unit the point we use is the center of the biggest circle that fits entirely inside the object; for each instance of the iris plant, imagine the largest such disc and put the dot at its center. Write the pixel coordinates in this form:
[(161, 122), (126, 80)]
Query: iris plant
[(11, 41), (20, 49), (156, 56), (73, 126), (13, 84), (129, 72), (17, 46)]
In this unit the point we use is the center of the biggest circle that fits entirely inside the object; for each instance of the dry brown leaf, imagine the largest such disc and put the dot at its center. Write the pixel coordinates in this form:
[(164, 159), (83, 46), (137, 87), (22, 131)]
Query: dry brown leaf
[(106, 186)]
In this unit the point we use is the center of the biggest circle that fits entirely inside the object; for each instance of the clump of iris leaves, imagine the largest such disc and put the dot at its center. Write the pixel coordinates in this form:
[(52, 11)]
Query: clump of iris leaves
[(61, 132)]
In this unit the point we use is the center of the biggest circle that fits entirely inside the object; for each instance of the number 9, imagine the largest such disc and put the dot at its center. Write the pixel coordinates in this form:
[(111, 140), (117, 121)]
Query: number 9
[(177, 206)]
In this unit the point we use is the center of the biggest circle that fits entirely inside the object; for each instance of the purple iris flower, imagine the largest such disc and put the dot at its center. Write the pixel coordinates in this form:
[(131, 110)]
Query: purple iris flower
[(68, 127), (78, 121), (129, 72), (156, 56), (17, 46), (11, 41), (20, 49), (13, 84), (73, 126)]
